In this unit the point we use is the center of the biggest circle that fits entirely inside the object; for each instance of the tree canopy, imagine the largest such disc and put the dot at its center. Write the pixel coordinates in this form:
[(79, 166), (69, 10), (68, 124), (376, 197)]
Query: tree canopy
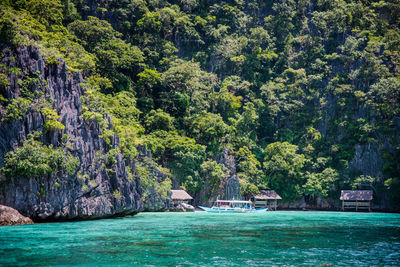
[(291, 88)]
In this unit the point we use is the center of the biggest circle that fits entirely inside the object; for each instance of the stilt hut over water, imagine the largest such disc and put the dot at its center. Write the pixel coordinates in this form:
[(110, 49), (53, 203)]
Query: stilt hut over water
[(356, 199), (180, 196), (266, 199)]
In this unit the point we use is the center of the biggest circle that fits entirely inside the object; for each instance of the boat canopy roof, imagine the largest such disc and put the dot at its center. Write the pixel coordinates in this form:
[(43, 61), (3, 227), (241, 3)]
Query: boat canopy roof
[(233, 201)]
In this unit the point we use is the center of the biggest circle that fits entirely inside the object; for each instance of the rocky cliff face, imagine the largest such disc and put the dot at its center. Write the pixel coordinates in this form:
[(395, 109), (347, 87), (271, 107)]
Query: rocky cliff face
[(208, 195), (93, 191)]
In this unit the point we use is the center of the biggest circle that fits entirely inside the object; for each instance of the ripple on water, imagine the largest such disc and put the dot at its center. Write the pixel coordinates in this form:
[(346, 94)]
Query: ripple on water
[(203, 239)]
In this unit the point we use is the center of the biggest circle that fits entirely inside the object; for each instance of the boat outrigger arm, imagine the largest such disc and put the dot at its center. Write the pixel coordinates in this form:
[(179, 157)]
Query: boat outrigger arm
[(232, 206)]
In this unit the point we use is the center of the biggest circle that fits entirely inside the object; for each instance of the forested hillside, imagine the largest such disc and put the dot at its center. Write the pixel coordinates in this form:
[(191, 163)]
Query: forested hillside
[(305, 94)]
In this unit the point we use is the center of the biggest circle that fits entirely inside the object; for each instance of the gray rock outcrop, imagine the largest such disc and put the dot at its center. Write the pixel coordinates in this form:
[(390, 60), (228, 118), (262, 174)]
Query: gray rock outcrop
[(97, 189), (10, 216)]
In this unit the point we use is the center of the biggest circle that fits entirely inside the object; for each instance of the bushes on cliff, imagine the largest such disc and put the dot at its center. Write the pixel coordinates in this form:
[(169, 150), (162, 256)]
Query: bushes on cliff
[(47, 12), (17, 108), (33, 159), (250, 175), (291, 87), (150, 183), (120, 108), (284, 169), (213, 174), (319, 184), (181, 154), (52, 123), (159, 120), (20, 27)]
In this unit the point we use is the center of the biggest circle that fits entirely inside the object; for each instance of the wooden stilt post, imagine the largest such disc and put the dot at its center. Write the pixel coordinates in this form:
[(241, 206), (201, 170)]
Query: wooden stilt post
[(356, 205), (342, 205)]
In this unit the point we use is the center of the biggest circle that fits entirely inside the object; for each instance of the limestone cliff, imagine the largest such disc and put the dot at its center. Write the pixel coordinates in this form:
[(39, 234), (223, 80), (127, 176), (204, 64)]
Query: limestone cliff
[(97, 188)]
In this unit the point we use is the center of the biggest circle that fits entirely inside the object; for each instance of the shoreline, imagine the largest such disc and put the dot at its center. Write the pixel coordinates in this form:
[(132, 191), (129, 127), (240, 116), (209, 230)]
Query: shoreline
[(197, 210), (305, 210)]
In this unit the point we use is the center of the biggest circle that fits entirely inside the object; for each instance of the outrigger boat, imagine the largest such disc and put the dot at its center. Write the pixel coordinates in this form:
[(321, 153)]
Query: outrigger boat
[(232, 206)]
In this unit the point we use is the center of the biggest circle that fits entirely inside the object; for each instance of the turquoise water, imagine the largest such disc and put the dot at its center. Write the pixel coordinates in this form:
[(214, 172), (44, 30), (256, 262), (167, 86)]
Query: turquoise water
[(166, 239)]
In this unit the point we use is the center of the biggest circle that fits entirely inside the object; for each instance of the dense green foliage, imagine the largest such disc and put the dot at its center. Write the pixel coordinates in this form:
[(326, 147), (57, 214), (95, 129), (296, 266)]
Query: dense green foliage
[(34, 159), (291, 87)]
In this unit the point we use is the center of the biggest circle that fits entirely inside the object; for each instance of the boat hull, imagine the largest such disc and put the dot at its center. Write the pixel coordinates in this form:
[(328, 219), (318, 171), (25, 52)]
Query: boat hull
[(231, 210)]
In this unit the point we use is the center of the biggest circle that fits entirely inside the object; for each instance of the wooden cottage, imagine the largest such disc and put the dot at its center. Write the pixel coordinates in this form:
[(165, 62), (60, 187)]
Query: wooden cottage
[(358, 199), (266, 199), (180, 196)]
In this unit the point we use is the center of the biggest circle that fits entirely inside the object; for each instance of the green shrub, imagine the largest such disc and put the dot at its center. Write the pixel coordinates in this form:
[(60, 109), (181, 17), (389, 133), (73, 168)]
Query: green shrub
[(17, 108), (117, 194), (33, 159), (52, 123), (30, 86), (3, 80)]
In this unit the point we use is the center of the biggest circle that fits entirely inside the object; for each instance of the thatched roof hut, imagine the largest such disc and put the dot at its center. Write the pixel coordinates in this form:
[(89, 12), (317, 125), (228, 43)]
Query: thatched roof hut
[(266, 199), (180, 195), (357, 199), (359, 195), (267, 194)]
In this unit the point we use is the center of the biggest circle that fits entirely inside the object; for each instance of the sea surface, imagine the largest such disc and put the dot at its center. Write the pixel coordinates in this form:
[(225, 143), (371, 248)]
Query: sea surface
[(283, 238)]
